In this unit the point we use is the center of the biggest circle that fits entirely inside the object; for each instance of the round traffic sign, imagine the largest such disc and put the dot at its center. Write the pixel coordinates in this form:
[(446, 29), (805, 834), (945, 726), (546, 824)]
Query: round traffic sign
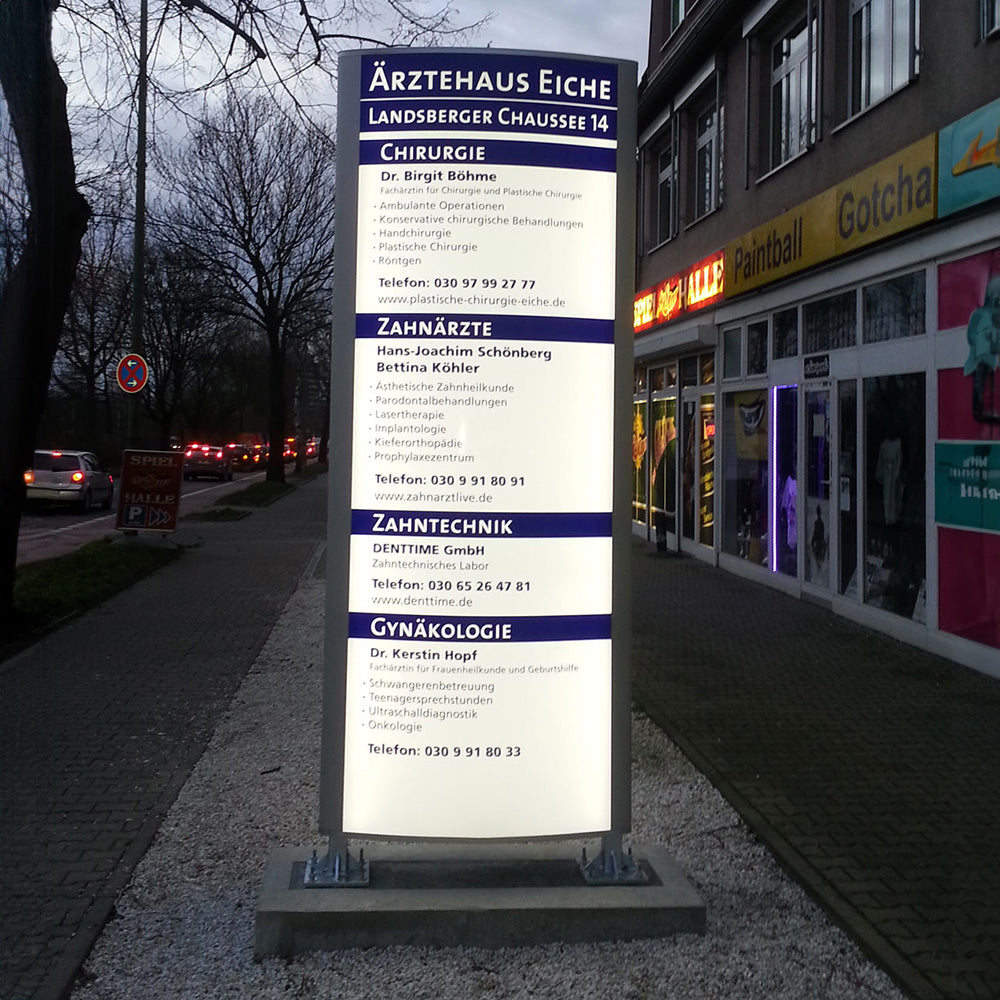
[(132, 373)]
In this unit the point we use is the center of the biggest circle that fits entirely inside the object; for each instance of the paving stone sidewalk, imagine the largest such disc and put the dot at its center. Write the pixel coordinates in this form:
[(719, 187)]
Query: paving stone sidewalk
[(870, 768), (102, 721)]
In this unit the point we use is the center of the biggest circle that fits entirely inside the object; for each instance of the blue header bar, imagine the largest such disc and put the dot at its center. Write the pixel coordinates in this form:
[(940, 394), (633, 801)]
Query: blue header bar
[(456, 75), (489, 116), (469, 153), (441, 628), (474, 525), (423, 326)]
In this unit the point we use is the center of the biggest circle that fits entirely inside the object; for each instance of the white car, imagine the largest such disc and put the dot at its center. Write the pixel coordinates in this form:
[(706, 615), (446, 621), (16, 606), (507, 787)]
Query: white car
[(75, 477)]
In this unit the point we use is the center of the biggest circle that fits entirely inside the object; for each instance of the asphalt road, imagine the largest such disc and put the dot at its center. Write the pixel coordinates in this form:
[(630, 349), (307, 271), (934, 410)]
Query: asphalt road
[(53, 530)]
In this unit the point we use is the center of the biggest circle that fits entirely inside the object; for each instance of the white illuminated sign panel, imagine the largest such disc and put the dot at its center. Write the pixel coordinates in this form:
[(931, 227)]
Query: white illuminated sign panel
[(478, 679)]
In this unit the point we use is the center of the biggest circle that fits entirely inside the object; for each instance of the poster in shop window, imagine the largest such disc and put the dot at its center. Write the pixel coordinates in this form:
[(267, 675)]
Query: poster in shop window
[(481, 346)]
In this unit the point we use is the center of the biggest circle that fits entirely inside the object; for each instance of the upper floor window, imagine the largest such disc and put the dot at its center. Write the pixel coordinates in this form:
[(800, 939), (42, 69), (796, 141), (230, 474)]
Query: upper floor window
[(990, 17), (707, 119), (794, 66), (666, 188), (884, 36), (676, 14)]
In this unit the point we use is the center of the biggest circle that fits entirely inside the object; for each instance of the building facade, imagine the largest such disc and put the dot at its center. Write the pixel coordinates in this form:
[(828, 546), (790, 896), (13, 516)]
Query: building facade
[(817, 331)]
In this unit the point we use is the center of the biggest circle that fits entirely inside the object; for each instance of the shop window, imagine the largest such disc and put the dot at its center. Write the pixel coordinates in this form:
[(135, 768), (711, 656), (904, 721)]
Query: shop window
[(656, 379), (757, 348), (639, 448), (732, 353), (894, 539), (893, 309), (966, 454), (670, 375), (830, 324), (706, 369), (989, 17), (786, 333), (745, 515), (883, 39), (663, 467), (793, 86), (689, 371), (639, 377)]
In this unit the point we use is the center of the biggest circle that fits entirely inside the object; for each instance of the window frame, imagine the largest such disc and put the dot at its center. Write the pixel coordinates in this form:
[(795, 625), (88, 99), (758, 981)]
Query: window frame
[(989, 19), (675, 15), (804, 56), (863, 92), (667, 141), (707, 103), (732, 350)]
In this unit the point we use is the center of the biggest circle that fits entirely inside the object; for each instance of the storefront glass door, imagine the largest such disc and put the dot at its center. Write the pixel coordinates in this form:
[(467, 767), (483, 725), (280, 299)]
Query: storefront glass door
[(689, 468), (706, 472), (818, 517), (785, 487), (847, 488)]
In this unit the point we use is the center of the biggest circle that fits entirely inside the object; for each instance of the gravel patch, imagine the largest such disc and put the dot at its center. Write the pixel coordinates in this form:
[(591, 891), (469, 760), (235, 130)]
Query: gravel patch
[(184, 926)]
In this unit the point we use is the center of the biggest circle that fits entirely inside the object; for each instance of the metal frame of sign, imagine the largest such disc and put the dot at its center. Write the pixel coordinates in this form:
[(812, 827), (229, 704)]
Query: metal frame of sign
[(484, 91)]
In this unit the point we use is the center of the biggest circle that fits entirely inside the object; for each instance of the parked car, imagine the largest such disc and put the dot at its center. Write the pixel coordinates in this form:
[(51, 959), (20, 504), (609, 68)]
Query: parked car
[(210, 460), (75, 477)]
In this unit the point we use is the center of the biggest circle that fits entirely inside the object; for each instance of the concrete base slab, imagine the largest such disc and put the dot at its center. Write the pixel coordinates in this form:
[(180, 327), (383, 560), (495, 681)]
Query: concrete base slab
[(485, 896)]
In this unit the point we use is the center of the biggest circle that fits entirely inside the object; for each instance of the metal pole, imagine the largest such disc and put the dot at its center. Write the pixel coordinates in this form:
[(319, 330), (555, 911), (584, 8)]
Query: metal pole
[(139, 242)]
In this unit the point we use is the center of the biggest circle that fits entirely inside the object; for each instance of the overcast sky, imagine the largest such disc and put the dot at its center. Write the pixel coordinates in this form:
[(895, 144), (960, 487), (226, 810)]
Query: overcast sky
[(618, 28)]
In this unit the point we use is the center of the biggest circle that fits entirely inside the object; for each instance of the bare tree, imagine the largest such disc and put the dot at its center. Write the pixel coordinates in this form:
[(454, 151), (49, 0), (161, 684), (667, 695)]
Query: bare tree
[(256, 192), (97, 321), (282, 41), (183, 339), (35, 296)]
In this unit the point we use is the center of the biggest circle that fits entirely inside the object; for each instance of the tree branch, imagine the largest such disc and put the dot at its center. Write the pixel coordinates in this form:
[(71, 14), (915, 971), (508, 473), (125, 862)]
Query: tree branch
[(259, 51)]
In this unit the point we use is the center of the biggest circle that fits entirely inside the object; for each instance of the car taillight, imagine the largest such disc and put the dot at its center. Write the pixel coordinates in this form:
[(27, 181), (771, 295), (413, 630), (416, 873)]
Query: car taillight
[(77, 477), (220, 454), (29, 476)]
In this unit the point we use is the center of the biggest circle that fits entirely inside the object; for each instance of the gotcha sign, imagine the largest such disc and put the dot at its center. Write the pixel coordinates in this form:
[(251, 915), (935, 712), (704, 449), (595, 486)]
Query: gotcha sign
[(482, 331)]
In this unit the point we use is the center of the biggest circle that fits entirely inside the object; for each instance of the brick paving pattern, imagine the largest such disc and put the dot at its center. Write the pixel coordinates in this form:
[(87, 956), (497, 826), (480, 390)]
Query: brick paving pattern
[(870, 768), (101, 723)]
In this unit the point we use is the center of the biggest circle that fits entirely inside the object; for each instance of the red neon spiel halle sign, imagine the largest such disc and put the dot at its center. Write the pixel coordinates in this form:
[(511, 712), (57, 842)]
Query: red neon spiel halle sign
[(700, 285)]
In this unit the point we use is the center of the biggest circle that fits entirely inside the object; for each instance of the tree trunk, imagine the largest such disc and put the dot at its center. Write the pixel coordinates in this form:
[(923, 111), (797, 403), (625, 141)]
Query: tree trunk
[(276, 413), (35, 299)]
